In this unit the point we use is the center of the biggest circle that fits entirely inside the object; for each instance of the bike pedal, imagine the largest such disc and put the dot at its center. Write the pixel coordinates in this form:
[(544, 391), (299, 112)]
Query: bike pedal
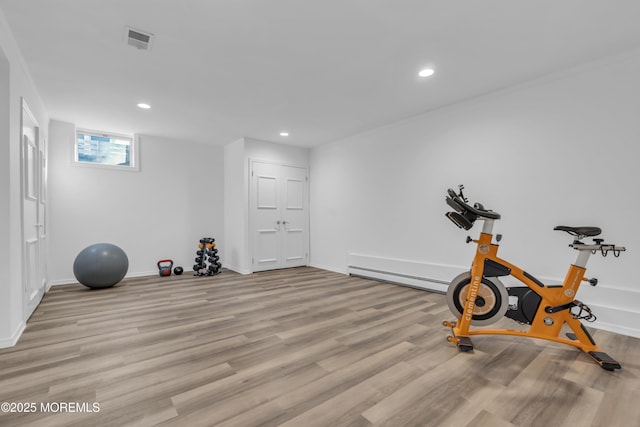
[(605, 361)]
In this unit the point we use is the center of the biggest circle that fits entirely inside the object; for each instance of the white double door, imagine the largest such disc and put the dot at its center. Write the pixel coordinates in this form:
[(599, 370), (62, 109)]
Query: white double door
[(279, 211)]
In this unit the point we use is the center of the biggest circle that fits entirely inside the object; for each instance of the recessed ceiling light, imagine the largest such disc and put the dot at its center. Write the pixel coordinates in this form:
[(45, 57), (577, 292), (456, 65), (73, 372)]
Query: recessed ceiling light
[(426, 72), (144, 106), (284, 133)]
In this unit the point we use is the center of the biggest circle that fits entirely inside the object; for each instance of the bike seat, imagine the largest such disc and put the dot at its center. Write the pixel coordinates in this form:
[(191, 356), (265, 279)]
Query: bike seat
[(579, 231)]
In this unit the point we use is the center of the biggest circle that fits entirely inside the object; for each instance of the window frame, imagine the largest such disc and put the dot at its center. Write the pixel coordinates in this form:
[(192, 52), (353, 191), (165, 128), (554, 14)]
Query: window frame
[(134, 150)]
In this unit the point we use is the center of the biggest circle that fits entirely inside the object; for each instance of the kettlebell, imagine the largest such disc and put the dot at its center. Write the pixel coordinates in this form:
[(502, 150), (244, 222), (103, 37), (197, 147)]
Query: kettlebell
[(164, 265)]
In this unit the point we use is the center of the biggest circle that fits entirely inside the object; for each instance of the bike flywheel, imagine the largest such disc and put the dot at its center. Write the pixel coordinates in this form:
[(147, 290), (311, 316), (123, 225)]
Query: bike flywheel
[(492, 299)]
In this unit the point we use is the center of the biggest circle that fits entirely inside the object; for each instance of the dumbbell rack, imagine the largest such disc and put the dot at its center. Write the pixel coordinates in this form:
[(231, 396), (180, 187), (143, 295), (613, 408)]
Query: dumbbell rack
[(207, 259)]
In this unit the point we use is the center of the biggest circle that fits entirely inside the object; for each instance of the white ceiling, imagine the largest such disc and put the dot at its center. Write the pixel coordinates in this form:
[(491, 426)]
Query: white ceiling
[(320, 69)]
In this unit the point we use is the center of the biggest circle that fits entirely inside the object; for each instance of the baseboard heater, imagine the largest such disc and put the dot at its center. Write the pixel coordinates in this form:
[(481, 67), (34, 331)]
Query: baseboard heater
[(420, 275)]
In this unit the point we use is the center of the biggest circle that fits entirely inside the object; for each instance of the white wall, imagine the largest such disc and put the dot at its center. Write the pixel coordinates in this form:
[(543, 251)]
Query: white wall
[(15, 83), (562, 150), (5, 187), (237, 158), (160, 212), (235, 208), (275, 153)]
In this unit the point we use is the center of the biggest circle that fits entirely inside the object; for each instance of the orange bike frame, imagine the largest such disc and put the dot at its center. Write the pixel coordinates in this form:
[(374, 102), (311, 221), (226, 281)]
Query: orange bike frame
[(545, 325)]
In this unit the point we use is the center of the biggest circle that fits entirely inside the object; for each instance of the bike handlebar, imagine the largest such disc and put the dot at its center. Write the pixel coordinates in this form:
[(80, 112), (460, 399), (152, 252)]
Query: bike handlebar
[(457, 202), (465, 215)]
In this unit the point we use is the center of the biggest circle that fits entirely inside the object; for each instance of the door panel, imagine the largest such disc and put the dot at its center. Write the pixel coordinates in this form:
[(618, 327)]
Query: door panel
[(32, 263), (267, 249), (294, 194), (30, 165), (294, 248), (267, 192)]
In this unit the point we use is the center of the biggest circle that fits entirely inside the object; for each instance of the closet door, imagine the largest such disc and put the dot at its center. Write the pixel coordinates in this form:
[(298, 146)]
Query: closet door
[(265, 215), (33, 212), (295, 217), (279, 216)]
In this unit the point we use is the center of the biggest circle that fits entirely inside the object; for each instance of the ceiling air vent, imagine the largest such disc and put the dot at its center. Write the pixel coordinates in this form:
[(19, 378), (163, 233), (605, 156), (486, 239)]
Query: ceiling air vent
[(138, 39)]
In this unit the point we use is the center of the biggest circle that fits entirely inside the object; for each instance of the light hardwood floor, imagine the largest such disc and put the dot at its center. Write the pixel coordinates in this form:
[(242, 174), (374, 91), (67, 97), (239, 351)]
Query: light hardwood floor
[(299, 347)]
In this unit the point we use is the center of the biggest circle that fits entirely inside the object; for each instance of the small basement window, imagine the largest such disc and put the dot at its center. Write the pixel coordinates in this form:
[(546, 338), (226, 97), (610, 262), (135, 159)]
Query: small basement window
[(107, 150)]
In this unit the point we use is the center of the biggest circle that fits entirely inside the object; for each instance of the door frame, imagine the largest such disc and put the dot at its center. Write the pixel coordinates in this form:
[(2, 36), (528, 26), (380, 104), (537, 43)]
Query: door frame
[(31, 298), (251, 240)]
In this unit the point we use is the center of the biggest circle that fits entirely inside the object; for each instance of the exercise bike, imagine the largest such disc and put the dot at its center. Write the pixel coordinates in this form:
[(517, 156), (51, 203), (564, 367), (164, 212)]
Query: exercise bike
[(478, 297)]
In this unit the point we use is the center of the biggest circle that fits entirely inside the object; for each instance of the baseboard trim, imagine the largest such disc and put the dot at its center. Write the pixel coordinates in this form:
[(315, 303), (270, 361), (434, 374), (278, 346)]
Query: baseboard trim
[(615, 320), (400, 279), (13, 339), (327, 268), (59, 282), (238, 270)]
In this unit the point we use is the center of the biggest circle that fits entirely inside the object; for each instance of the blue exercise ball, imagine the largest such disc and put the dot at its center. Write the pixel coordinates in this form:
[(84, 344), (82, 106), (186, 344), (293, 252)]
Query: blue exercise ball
[(101, 265)]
